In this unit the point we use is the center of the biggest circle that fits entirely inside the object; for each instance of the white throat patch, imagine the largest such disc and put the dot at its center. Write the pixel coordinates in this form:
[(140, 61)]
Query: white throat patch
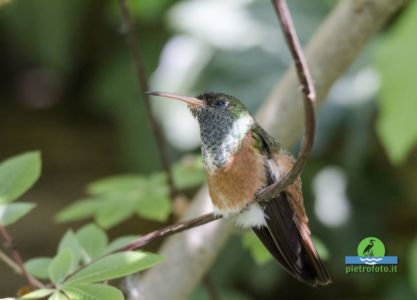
[(230, 143)]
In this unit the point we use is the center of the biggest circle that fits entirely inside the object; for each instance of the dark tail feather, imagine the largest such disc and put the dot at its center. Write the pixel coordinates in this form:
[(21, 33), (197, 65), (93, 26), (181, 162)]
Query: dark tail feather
[(290, 243)]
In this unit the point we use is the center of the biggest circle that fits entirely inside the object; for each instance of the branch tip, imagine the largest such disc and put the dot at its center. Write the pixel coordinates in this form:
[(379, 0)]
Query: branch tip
[(309, 94), (128, 29)]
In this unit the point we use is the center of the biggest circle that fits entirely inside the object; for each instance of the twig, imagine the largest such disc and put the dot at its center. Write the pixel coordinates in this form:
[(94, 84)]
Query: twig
[(169, 230), (210, 288), (17, 262), (10, 262), (133, 45), (156, 235), (304, 76)]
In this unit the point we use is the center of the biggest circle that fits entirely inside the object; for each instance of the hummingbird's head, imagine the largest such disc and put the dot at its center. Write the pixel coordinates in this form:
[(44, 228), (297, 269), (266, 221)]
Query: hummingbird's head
[(211, 107), (224, 122)]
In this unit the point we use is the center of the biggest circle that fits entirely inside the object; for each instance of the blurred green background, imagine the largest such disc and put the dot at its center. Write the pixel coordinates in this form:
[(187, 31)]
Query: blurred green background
[(67, 88)]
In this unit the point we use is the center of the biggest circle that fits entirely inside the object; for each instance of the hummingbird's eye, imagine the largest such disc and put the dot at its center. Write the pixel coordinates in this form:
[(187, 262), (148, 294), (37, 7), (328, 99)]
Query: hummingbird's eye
[(220, 104)]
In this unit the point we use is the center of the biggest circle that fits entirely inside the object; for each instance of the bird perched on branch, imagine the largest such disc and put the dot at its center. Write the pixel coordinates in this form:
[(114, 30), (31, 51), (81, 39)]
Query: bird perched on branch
[(241, 159)]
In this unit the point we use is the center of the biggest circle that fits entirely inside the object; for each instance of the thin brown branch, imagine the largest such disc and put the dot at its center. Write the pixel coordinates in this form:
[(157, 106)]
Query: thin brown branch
[(10, 262), (309, 93), (169, 230), (133, 45), (210, 288), (156, 235), (17, 262)]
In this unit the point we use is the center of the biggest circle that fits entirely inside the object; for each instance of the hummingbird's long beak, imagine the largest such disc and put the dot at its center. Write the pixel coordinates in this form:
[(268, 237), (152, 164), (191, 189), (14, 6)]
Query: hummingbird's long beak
[(187, 99)]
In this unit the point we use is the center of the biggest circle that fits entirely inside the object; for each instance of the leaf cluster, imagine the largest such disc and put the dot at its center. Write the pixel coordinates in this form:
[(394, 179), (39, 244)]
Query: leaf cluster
[(84, 262), (112, 200)]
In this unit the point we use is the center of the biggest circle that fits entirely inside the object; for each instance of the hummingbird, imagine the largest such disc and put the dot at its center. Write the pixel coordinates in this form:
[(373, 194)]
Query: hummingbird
[(241, 159)]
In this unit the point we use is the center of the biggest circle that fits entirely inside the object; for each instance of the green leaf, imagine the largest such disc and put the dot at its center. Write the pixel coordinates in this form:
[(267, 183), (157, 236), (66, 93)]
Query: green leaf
[(60, 266), (115, 266), (396, 63), (258, 251), (11, 213), (93, 292), (120, 242), (38, 267), (18, 174), (58, 296), (155, 204), (41, 293), (93, 241), (413, 265), (69, 241), (189, 172), (116, 184), (157, 183), (114, 211), (79, 210), (155, 207)]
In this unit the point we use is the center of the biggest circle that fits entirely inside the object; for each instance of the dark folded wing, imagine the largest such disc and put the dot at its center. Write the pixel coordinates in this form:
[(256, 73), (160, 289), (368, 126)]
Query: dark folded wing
[(287, 237), (297, 255)]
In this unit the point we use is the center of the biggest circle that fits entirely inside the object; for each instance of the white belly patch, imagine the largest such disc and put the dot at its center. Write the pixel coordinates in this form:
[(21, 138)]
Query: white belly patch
[(251, 216)]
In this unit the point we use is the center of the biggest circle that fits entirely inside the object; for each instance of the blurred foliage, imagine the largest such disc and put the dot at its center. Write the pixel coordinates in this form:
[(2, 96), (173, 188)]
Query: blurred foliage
[(59, 20), (256, 248), (146, 10), (321, 248), (116, 80), (4, 2), (201, 294), (65, 64), (412, 267), (83, 259), (396, 61), (115, 199)]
